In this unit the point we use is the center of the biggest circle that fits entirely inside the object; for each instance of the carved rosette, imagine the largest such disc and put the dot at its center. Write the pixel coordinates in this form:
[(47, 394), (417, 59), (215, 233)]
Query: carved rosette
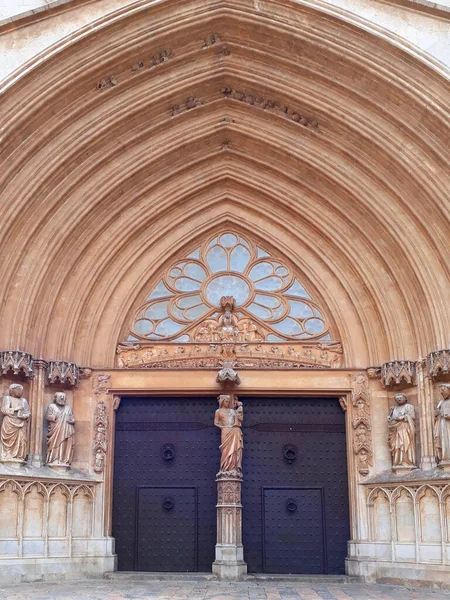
[(100, 446), (398, 372), (361, 423), (438, 363), (17, 362), (63, 371)]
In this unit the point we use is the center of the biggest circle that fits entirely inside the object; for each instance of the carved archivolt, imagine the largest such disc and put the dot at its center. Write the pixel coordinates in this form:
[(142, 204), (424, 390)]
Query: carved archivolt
[(361, 423)]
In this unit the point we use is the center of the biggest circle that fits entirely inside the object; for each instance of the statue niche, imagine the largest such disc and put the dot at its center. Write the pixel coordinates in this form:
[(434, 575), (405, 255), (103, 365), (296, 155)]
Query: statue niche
[(14, 431), (442, 428), (61, 432), (402, 431), (228, 418)]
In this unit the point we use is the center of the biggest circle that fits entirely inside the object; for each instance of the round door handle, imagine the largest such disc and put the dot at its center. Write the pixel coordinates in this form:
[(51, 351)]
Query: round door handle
[(291, 506), (290, 453), (168, 503), (168, 452)]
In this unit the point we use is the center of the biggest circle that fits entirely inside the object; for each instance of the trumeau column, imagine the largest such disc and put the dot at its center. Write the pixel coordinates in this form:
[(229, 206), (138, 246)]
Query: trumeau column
[(229, 563), (426, 413), (37, 402)]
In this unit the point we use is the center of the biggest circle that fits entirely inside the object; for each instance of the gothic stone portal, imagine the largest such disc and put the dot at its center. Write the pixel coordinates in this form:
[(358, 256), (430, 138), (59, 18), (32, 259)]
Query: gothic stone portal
[(295, 497)]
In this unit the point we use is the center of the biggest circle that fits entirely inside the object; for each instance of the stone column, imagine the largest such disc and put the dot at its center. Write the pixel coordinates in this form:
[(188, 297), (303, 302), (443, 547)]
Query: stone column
[(229, 563), (425, 403), (37, 401)]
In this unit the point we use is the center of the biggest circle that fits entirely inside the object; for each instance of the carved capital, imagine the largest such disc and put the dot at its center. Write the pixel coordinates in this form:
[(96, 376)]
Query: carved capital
[(398, 372), (63, 371), (17, 362)]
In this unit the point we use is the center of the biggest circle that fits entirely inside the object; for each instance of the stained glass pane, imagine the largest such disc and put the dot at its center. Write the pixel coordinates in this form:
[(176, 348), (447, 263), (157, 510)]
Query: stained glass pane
[(196, 312), (189, 301), (300, 310), (195, 271), (187, 285), (227, 285), (260, 311), (195, 254), (157, 311), (261, 270), (261, 254), (297, 290), (240, 258), (228, 240), (265, 300), (168, 327), (159, 292), (314, 326), (217, 259), (182, 339), (288, 326), (269, 284), (143, 327)]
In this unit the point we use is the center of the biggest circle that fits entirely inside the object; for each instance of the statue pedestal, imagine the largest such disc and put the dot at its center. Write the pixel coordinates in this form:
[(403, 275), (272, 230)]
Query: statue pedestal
[(403, 469), (59, 468), (445, 465), (13, 462), (229, 564)]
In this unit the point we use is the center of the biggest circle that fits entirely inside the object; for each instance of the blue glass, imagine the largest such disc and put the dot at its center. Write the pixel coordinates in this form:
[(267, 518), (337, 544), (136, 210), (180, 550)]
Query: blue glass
[(297, 290), (160, 291), (314, 326), (288, 326), (228, 240), (168, 327), (212, 243), (244, 242), (260, 311), (217, 259), (195, 254), (269, 284), (281, 271), (196, 311), (182, 339), (176, 272), (261, 253), (195, 271), (274, 338), (227, 285), (189, 301), (157, 311), (325, 337), (265, 300), (143, 327), (239, 259), (177, 313), (300, 310), (261, 270), (187, 285)]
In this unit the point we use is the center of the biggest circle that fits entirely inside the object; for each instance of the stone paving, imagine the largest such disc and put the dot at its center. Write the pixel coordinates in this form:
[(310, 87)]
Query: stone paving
[(129, 589)]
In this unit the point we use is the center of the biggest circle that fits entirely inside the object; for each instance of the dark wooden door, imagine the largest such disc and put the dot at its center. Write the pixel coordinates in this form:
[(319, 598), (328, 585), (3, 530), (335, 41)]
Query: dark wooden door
[(165, 461), (295, 490)]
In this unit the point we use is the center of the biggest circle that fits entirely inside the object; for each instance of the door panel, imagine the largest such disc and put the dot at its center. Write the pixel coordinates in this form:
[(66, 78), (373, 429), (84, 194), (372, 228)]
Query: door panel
[(167, 529), (170, 443), (294, 443), (293, 516)]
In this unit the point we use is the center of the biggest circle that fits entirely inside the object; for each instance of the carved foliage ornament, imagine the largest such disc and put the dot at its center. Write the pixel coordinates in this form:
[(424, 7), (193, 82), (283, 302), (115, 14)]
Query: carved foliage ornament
[(100, 437), (361, 423), (270, 302)]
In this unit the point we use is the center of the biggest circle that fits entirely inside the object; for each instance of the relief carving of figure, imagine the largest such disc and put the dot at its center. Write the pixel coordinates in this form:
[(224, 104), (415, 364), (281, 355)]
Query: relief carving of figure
[(228, 418), (61, 432), (442, 425), (227, 325), (402, 431), (14, 432)]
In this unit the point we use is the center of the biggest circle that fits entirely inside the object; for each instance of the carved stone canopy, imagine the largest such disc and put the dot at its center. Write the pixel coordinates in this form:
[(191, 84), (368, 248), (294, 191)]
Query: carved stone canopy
[(64, 372), (398, 372), (17, 362)]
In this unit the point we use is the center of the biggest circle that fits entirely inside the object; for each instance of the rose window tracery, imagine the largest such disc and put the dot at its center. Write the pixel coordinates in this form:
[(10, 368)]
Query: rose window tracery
[(270, 302)]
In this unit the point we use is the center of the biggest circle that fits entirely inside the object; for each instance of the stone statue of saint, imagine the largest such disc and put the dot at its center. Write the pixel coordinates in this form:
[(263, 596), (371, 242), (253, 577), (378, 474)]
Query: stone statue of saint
[(227, 324), (61, 432), (14, 431), (402, 431), (442, 426), (228, 418)]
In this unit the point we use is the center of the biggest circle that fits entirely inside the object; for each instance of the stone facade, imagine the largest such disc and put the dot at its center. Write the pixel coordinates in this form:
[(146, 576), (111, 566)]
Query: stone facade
[(133, 137)]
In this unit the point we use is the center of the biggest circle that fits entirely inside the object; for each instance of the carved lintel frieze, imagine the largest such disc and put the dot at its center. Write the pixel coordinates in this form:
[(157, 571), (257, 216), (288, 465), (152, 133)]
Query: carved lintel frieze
[(438, 363), (100, 446), (16, 361), (398, 372), (361, 423), (63, 372)]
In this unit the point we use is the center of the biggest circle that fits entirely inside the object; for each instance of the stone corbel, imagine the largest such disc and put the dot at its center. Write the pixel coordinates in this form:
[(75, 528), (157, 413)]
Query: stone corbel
[(438, 363), (17, 362), (64, 372), (396, 373)]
